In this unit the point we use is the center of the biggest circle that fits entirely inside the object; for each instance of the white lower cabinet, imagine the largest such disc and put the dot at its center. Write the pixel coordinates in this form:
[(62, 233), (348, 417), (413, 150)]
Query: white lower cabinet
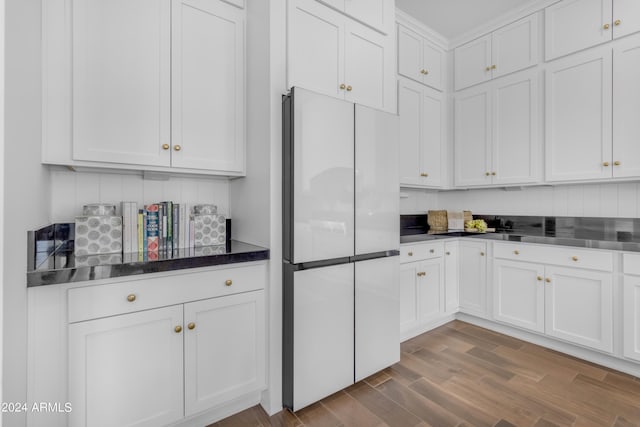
[(452, 300), (631, 317), (131, 370), (473, 277), (127, 370), (573, 304)]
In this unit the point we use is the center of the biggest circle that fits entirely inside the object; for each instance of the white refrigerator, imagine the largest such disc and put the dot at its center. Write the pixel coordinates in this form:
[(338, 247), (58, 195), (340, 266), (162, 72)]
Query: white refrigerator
[(340, 245)]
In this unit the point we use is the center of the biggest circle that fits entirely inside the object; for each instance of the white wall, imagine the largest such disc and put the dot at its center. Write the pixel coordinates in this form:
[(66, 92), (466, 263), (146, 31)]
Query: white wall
[(2, 5), (26, 184), (588, 200), (413, 201), (71, 190)]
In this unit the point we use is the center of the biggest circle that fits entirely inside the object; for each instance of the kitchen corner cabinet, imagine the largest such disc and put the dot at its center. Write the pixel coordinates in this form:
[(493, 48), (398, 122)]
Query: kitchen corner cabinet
[(573, 25), (497, 138), (334, 55), (472, 258), (146, 85), (419, 59), (422, 134), (451, 267), (511, 48)]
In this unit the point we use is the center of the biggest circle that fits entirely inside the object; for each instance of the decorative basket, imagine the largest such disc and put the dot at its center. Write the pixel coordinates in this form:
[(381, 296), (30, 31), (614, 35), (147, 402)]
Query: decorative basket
[(437, 221)]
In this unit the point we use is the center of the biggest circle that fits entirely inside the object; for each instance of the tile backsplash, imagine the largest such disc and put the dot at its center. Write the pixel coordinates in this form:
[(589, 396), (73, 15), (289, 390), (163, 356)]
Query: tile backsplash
[(71, 190)]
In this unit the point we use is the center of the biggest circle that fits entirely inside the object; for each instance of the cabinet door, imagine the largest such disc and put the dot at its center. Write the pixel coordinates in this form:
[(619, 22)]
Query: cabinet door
[(626, 105), (409, 281), (323, 333), (127, 370), (410, 112), (377, 315), (376, 13), (433, 59), (473, 277), (473, 137), (431, 290), (578, 116), (515, 47), (573, 25), (579, 307), (628, 13), (121, 81), (516, 145), (207, 86), (518, 294), (632, 317), (410, 52), (452, 301), (369, 67), (432, 140), (315, 48), (224, 349), (472, 62)]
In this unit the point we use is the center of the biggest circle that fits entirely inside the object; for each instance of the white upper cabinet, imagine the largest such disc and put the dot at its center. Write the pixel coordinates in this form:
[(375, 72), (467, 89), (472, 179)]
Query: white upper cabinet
[(121, 81), (334, 55), (578, 117), (144, 85), (419, 59), (511, 48), (626, 105), (573, 25), (422, 134), (497, 138), (378, 14), (208, 86)]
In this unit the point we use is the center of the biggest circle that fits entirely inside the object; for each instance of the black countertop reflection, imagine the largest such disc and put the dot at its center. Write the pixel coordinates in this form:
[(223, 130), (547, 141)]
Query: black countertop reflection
[(52, 261), (598, 233)]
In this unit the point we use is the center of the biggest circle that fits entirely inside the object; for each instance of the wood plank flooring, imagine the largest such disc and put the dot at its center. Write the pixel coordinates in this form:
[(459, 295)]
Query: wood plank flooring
[(463, 375)]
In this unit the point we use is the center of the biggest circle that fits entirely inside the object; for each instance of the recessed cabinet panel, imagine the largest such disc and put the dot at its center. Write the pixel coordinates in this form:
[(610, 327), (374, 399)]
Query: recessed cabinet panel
[(410, 112), (208, 86), (472, 63), (516, 144), (626, 108), (127, 370), (121, 81), (433, 59), (367, 65), (587, 320), (224, 345), (473, 137), (433, 128), (409, 281), (518, 295), (578, 117), (316, 48), (626, 17), (515, 46), (473, 277), (431, 290), (632, 317), (573, 25), (410, 54), (452, 301), (376, 13)]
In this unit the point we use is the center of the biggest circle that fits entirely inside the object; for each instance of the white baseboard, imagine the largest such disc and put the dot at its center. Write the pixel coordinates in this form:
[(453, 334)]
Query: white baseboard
[(414, 332), (216, 414)]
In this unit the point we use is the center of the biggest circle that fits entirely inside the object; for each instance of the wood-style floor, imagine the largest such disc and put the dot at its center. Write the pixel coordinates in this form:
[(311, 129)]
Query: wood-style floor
[(463, 375)]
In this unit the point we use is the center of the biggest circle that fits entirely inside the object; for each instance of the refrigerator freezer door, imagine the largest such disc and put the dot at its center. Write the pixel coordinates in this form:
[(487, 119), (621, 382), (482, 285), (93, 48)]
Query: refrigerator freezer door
[(323, 338), (377, 315), (376, 181), (323, 162)]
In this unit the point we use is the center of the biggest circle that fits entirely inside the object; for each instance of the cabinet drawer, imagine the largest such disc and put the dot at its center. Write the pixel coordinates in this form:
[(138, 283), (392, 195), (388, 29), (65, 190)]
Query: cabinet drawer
[(134, 295), (420, 251), (631, 264), (554, 255)]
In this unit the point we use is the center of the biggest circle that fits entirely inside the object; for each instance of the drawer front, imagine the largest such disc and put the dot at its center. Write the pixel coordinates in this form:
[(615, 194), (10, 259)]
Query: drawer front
[(631, 264), (421, 251), (554, 255), (134, 295)]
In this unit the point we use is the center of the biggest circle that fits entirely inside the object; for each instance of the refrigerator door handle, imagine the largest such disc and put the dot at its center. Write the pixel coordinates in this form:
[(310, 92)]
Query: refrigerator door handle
[(375, 255)]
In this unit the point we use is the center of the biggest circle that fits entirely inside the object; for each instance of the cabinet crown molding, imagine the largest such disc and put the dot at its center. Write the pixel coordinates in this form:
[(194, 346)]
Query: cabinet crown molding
[(413, 24)]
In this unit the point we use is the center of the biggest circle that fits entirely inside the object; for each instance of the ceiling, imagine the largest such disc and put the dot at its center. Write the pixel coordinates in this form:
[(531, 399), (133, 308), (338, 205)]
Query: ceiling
[(452, 18)]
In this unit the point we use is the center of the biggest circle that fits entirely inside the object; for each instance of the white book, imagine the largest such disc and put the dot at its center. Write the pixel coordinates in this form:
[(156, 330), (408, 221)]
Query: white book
[(183, 226), (133, 209), (126, 217)]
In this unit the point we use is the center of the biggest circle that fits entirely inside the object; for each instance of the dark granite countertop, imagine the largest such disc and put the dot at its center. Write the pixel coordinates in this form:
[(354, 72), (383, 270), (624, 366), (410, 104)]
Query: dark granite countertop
[(621, 234), (52, 261)]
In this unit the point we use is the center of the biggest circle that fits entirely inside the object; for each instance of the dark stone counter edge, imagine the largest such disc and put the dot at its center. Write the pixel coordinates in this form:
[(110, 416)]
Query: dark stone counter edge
[(558, 241), (82, 274)]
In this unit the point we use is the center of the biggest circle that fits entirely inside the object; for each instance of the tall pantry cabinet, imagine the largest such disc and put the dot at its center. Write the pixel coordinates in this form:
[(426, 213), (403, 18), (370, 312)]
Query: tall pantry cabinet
[(146, 85)]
